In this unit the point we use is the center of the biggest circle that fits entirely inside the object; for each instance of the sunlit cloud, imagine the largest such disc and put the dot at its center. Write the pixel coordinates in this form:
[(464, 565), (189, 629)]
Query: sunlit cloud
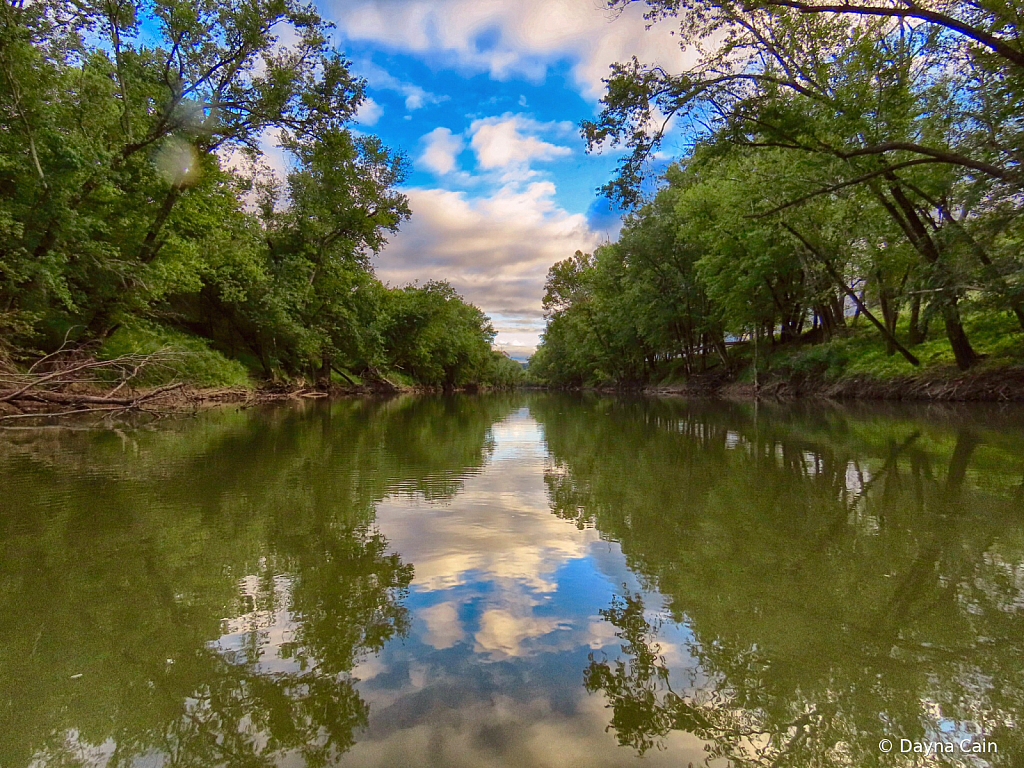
[(440, 150), (503, 634), (521, 39), (506, 142), (443, 627), (369, 112), (494, 248)]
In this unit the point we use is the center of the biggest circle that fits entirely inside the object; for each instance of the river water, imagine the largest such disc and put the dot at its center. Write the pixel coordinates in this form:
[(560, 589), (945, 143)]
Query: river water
[(516, 580)]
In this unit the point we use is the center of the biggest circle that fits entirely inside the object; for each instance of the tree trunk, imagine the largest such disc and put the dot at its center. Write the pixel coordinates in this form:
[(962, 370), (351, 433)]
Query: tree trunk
[(963, 353), (841, 283), (323, 376), (916, 232), (916, 334), (838, 306), (890, 314)]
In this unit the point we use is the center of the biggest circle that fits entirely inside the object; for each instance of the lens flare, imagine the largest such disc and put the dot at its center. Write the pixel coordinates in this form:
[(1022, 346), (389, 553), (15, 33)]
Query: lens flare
[(178, 162)]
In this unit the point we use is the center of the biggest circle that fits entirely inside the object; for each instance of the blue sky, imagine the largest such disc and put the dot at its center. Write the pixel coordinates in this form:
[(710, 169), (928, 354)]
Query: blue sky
[(485, 99)]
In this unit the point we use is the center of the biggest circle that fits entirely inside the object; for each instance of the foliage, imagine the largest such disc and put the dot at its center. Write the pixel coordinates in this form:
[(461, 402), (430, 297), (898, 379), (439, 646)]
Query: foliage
[(183, 357), (436, 338), (134, 191), (853, 159)]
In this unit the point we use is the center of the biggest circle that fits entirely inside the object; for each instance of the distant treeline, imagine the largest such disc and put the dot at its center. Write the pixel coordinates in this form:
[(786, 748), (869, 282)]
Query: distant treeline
[(848, 161), (138, 211)]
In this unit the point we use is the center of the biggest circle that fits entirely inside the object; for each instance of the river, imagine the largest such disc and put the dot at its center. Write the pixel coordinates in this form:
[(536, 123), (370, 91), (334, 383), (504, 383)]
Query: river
[(517, 580)]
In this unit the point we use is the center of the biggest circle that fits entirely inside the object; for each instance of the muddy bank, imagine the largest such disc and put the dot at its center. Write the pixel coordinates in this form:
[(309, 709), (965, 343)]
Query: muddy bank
[(79, 401), (942, 385)]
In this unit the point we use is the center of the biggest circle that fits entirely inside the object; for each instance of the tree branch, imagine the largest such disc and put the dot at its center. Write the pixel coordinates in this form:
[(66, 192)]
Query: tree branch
[(995, 44)]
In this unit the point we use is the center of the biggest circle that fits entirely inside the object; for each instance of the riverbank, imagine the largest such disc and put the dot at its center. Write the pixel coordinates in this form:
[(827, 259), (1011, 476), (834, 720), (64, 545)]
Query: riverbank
[(856, 366), (945, 384), (180, 398), (34, 406), (170, 374)]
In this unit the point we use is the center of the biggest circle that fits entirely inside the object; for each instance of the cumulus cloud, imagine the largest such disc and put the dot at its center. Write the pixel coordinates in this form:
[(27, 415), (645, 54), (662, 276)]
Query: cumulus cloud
[(503, 142), (369, 112), (503, 634), (440, 149), (459, 727), (518, 550), (495, 249), (505, 147), (514, 39), (517, 348)]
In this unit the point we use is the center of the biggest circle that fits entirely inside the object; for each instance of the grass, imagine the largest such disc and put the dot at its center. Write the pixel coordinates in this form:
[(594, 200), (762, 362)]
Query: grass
[(995, 335), (190, 359)]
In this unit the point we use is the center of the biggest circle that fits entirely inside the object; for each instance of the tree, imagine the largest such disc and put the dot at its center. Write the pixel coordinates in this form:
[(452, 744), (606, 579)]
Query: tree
[(904, 111)]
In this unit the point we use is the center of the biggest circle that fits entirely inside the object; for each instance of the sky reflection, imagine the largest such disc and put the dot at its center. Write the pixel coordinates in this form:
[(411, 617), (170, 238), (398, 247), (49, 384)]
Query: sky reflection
[(505, 603)]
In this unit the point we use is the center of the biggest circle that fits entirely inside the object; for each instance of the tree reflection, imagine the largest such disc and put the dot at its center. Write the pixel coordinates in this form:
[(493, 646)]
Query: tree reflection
[(846, 578), (200, 595), (646, 708)]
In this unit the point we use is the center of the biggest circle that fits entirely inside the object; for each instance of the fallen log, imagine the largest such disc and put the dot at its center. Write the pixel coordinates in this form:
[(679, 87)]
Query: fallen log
[(68, 398)]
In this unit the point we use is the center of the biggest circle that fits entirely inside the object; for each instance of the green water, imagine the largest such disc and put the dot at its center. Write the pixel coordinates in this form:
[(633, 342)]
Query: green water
[(515, 580)]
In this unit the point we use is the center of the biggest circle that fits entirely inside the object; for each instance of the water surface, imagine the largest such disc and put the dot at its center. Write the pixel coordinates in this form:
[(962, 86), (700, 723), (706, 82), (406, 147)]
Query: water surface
[(515, 580)]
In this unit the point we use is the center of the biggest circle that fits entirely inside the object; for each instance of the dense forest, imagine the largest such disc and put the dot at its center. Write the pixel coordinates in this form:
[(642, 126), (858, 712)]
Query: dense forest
[(848, 199), (138, 211)]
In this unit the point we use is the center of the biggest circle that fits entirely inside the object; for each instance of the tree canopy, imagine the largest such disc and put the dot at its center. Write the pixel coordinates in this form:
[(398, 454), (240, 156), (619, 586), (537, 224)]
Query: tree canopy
[(844, 160), (135, 191)]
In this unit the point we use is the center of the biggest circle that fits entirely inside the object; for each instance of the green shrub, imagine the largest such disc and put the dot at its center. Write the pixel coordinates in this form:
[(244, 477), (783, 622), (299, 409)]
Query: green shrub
[(183, 357)]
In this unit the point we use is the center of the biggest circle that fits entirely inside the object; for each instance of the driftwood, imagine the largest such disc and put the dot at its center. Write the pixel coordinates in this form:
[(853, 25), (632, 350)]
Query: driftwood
[(81, 384), (65, 398), (379, 380)]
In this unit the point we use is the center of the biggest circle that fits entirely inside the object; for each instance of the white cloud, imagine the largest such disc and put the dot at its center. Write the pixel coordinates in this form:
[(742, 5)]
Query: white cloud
[(462, 734), (528, 35), (500, 530), (501, 143), (495, 249), (516, 347), (369, 112), (440, 149), (378, 77), (506, 146)]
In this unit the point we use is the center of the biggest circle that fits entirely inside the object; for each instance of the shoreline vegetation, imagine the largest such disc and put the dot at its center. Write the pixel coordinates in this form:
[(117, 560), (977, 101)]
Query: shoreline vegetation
[(76, 385), (844, 222), (146, 243), (845, 218)]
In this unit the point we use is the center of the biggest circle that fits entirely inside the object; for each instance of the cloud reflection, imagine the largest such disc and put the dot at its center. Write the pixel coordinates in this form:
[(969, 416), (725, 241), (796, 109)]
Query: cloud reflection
[(505, 601)]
